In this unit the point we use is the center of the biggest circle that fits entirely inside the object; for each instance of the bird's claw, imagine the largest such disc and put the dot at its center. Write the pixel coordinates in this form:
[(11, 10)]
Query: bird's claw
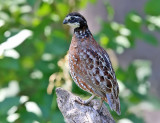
[(82, 102)]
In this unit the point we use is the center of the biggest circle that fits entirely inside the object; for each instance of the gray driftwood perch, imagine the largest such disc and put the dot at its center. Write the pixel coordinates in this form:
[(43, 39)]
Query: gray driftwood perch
[(74, 112)]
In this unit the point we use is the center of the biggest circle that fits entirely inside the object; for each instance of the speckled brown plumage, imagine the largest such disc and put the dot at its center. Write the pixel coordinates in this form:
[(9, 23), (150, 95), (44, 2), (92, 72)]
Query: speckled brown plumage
[(90, 66)]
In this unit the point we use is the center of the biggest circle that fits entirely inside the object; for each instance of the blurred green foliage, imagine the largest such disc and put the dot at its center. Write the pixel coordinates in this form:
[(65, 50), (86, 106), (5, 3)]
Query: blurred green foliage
[(25, 69)]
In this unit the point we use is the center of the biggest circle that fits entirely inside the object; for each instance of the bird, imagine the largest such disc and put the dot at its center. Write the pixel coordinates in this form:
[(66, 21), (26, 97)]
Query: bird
[(90, 65)]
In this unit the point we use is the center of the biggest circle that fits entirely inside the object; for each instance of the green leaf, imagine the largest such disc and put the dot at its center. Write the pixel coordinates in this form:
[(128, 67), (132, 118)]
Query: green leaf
[(135, 119), (109, 10), (133, 22), (27, 62), (57, 117), (9, 63), (149, 38), (93, 1), (58, 45), (29, 117), (152, 7), (104, 40), (63, 9), (134, 99), (143, 70), (8, 103), (31, 2), (44, 10), (83, 3)]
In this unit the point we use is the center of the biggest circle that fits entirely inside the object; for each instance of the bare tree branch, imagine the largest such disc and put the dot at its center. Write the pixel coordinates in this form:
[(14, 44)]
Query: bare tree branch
[(74, 112)]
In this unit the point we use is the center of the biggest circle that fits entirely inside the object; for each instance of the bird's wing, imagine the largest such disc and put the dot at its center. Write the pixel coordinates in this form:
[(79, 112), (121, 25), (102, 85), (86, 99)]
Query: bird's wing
[(112, 97), (98, 70)]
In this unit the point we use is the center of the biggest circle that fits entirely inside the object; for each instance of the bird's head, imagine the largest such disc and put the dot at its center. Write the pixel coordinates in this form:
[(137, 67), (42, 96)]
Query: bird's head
[(75, 20)]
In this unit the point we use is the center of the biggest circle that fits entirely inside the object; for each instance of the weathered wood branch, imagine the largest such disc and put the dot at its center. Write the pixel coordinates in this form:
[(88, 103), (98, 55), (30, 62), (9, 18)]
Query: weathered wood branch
[(74, 112)]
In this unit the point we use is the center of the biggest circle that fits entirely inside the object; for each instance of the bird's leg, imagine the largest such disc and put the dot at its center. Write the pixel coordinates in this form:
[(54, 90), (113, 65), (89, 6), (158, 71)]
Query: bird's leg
[(89, 100), (101, 102), (86, 102)]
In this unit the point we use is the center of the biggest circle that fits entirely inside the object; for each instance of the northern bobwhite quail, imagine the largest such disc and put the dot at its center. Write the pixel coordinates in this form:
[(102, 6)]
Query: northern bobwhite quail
[(90, 66)]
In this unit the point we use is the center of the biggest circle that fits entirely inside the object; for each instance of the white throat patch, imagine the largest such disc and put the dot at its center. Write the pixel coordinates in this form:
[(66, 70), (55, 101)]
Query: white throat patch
[(74, 25)]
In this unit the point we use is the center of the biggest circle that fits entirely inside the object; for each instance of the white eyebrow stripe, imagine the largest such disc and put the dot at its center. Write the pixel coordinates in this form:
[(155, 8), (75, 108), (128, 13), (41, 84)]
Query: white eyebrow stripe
[(76, 16), (67, 18)]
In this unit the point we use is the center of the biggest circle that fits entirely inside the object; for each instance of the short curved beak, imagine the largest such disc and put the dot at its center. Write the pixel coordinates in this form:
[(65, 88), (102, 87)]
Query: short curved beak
[(65, 21)]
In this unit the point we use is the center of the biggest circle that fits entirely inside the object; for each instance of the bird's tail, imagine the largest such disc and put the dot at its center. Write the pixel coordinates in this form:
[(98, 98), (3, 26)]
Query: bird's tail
[(113, 102)]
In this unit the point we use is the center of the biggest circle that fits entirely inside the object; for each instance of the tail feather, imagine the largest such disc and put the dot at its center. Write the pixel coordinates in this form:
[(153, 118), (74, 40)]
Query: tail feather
[(109, 101), (113, 102)]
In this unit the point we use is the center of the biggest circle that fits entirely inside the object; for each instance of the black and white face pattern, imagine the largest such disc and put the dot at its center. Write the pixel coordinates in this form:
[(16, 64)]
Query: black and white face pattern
[(75, 20)]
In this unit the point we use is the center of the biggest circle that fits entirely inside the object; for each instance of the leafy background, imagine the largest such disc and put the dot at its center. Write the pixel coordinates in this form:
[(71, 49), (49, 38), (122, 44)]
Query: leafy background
[(34, 45)]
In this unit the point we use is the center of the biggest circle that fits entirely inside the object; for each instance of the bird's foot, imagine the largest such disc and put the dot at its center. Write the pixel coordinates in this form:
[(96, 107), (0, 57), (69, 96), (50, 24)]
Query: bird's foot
[(85, 102), (82, 102)]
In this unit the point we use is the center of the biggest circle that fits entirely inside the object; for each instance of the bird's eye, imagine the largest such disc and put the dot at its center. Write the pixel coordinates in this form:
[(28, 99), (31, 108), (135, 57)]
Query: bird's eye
[(72, 18)]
